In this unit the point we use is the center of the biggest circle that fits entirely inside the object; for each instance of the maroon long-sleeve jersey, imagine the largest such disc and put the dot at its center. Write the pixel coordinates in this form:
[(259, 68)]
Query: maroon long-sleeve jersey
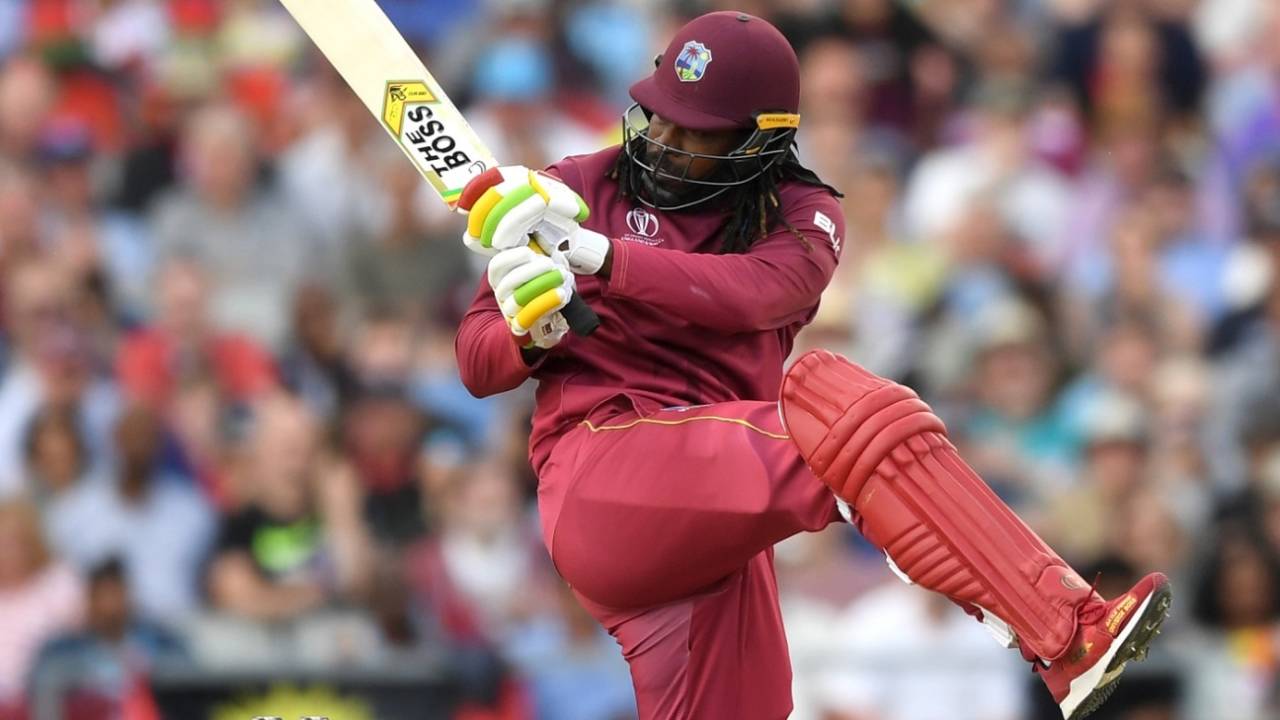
[(680, 324)]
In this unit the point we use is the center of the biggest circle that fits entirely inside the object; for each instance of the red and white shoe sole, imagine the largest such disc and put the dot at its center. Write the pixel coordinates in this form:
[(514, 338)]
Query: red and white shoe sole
[(1095, 685)]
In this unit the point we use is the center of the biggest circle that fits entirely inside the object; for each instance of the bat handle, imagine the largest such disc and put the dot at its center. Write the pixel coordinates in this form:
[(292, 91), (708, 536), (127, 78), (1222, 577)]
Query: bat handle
[(581, 318)]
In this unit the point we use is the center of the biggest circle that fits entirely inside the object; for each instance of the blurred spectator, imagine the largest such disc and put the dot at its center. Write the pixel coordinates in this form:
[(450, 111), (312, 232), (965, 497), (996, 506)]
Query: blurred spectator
[(438, 391), (819, 576), (96, 246), (484, 573), (1244, 117), (298, 542), (50, 369), (128, 32), (515, 108), (1115, 449), (1190, 267), (1238, 595), (314, 365), (883, 286), (20, 205), (102, 671), (1258, 501), (186, 344), (157, 525), (1117, 173), (573, 666), (833, 102), (27, 94), (1122, 356), (896, 45), (1018, 437), (410, 264), (612, 37), (65, 152), (382, 432), (253, 248), (905, 654), (996, 166), (56, 458), (382, 347), (1129, 66), (327, 174), (40, 597), (1180, 421), (1249, 370), (193, 372)]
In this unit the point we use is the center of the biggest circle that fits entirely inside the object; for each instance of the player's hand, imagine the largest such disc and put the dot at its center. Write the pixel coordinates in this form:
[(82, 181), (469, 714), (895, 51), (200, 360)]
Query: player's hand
[(549, 331), (531, 289), (584, 250), (505, 204)]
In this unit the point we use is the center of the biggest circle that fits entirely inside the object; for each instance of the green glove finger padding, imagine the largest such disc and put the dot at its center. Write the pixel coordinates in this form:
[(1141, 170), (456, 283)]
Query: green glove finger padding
[(532, 289), (526, 270), (504, 206)]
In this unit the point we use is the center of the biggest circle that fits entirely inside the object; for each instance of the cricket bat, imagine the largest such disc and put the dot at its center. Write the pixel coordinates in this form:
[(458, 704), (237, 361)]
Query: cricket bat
[(389, 78)]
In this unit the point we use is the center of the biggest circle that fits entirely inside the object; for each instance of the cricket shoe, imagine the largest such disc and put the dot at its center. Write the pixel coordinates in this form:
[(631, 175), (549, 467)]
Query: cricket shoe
[(1110, 635)]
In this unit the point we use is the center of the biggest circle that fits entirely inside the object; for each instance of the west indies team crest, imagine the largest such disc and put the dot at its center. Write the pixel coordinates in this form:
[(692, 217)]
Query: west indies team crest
[(691, 63)]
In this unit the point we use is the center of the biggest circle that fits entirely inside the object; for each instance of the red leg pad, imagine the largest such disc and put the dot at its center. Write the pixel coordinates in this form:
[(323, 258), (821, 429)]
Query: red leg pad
[(883, 451)]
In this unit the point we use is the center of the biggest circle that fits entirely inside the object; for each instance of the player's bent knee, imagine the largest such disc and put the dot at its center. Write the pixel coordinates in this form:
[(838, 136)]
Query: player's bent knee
[(846, 420)]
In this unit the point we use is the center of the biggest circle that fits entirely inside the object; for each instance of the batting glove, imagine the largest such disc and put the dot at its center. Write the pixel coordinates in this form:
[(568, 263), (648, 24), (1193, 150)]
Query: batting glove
[(531, 289), (506, 204), (584, 250)]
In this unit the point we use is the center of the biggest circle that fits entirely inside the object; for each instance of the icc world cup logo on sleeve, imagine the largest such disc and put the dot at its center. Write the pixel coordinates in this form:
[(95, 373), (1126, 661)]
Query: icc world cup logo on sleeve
[(691, 63)]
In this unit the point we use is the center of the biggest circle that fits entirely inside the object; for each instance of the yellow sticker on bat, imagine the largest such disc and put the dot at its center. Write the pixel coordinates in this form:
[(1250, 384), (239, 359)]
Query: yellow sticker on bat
[(400, 94)]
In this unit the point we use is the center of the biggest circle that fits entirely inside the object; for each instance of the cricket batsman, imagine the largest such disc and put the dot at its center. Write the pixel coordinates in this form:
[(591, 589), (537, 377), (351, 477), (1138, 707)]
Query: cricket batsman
[(671, 449)]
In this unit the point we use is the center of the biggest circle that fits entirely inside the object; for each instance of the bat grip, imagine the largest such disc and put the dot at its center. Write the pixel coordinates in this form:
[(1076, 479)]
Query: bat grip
[(581, 318)]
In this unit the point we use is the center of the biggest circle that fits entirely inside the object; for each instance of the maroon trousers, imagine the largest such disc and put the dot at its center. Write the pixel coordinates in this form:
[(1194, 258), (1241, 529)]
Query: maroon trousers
[(663, 524)]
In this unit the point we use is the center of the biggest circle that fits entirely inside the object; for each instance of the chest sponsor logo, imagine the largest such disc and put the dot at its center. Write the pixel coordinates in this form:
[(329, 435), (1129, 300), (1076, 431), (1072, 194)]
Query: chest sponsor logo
[(643, 226)]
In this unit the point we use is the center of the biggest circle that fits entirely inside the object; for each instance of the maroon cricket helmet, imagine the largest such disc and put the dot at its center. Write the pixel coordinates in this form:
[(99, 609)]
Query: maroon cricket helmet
[(720, 71)]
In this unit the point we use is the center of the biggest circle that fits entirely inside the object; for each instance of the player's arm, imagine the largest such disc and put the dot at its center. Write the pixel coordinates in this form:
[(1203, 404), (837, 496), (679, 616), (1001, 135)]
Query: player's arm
[(514, 318), (489, 356), (775, 284), (512, 322)]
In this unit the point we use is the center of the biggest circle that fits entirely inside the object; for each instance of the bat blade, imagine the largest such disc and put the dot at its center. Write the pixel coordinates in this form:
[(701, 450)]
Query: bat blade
[(389, 78)]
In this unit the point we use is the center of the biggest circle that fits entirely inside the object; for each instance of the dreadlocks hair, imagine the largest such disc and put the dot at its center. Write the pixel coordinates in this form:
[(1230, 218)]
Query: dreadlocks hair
[(756, 205)]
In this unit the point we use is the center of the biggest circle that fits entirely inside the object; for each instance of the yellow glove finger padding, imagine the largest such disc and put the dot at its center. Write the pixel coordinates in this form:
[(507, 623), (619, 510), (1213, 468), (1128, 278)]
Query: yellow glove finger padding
[(513, 177), (561, 200), (525, 293), (480, 212), (541, 306)]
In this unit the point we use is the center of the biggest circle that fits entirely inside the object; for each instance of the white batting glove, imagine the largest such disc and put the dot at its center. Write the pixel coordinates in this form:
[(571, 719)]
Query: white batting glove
[(549, 331), (504, 205), (584, 250), (530, 289)]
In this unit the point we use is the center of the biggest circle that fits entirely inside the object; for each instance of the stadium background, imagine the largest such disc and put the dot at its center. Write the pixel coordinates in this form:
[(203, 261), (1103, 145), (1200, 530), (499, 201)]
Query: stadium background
[(240, 476)]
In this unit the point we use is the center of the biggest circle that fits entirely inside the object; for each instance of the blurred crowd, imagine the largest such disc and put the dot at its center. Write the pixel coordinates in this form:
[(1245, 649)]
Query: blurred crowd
[(232, 435)]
